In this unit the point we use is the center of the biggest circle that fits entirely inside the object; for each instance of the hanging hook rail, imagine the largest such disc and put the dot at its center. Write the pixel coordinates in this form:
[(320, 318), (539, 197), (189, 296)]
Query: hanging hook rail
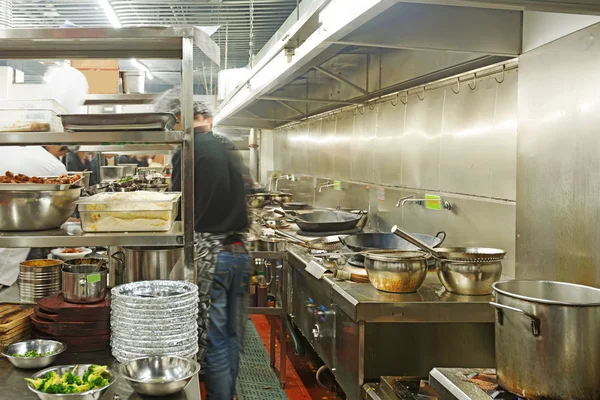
[(457, 87), (474, 83), (503, 71), (423, 94)]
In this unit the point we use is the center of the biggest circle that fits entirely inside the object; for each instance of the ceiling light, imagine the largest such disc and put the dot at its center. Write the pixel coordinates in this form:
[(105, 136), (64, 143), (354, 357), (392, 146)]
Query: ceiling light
[(110, 13), (142, 67)]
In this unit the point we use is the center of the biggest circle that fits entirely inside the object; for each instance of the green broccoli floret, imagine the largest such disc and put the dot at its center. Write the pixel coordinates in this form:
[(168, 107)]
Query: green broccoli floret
[(98, 381), (88, 372), (36, 383), (56, 388), (71, 389), (68, 378), (83, 388)]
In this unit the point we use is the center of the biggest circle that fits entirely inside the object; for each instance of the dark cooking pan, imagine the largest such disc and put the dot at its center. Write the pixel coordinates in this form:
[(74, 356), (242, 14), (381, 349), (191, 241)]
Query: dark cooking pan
[(389, 241), (324, 221)]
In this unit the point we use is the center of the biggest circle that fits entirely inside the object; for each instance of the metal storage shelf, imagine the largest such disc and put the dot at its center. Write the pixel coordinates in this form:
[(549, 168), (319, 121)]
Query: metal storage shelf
[(272, 312), (63, 238), (101, 43), (95, 138)]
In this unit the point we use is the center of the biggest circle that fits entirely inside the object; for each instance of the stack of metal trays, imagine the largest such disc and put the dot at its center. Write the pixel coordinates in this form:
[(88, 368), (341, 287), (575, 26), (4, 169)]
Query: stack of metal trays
[(151, 318), (38, 279)]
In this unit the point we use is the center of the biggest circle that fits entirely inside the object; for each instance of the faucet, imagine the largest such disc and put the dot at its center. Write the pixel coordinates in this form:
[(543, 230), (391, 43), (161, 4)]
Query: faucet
[(284, 177), (403, 200), (326, 185)]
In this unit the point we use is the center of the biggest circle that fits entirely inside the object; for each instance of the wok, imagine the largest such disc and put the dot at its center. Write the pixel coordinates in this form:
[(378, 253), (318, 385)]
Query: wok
[(389, 241), (324, 221)]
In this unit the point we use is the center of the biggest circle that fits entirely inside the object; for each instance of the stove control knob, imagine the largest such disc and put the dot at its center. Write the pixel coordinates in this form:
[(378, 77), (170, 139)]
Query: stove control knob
[(317, 332), (310, 304)]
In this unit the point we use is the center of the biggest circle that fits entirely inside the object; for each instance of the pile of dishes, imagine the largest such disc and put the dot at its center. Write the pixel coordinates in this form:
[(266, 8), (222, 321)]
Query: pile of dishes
[(150, 318), (38, 279)]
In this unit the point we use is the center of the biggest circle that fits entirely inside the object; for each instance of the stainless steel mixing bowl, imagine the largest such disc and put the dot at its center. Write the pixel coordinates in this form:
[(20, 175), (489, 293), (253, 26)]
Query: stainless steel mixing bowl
[(39, 345), (95, 394), (471, 278), (36, 211), (159, 375)]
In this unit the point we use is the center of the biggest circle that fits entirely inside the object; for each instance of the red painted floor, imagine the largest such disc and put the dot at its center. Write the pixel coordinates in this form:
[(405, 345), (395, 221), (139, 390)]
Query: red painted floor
[(301, 382)]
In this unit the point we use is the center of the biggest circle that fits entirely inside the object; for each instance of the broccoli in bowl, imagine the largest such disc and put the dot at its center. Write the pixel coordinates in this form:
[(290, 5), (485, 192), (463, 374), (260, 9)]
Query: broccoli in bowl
[(78, 379)]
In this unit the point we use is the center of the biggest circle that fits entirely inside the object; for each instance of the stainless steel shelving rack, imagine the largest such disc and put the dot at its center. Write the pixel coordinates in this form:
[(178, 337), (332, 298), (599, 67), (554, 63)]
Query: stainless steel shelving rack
[(280, 310), (83, 43)]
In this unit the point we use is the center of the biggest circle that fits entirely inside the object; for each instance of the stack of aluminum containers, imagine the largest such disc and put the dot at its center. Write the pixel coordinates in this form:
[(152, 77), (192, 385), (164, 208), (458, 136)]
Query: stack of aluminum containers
[(38, 279), (154, 318)]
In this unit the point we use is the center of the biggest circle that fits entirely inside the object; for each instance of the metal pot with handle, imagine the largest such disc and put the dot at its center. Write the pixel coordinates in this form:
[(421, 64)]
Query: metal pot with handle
[(468, 271), (152, 263), (84, 280), (547, 339)]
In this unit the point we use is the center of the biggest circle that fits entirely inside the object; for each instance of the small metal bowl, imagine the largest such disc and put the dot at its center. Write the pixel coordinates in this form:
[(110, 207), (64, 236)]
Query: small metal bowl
[(159, 375), (39, 345), (95, 394)]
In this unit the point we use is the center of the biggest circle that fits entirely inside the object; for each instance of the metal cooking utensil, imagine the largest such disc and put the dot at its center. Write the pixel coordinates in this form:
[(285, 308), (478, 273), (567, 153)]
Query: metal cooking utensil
[(329, 243), (473, 254)]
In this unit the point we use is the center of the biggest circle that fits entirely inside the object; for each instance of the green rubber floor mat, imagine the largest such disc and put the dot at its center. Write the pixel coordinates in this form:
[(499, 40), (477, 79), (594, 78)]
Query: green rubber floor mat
[(256, 379)]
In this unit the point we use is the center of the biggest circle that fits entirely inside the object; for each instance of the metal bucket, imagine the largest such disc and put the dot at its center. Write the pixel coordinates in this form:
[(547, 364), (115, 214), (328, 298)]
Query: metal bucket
[(152, 263), (134, 81), (547, 343), (39, 278)]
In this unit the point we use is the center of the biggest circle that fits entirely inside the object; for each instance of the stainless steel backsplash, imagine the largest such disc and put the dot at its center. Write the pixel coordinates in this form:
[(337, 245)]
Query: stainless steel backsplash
[(462, 147)]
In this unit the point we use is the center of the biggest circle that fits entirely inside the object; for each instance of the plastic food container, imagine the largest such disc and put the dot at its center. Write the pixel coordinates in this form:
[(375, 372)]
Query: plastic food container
[(140, 211), (30, 116)]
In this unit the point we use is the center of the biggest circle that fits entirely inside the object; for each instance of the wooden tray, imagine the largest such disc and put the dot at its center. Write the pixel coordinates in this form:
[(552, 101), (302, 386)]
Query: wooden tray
[(13, 316), (70, 328), (55, 304), (78, 344)]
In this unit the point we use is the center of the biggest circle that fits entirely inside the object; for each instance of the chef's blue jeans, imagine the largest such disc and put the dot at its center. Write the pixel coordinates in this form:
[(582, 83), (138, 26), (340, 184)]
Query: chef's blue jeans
[(229, 288)]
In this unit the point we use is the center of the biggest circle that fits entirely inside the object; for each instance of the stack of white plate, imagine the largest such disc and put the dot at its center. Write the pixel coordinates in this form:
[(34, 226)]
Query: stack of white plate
[(151, 318)]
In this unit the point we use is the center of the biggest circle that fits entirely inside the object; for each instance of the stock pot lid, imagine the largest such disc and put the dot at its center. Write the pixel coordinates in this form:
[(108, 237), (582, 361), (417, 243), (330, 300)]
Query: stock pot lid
[(549, 292)]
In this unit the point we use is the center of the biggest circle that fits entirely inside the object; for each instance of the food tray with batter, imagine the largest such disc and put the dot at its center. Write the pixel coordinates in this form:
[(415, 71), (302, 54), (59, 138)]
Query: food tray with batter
[(140, 211)]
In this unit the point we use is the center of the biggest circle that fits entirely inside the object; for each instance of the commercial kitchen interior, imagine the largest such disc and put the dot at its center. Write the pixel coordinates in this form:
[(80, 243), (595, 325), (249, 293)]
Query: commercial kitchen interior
[(476, 118)]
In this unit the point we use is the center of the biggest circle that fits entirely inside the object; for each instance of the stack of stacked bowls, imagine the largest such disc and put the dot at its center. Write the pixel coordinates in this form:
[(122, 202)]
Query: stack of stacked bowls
[(151, 318), (38, 279)]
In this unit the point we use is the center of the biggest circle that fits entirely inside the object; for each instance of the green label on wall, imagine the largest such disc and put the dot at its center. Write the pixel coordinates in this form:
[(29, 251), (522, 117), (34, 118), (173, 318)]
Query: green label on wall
[(433, 202), (337, 185)]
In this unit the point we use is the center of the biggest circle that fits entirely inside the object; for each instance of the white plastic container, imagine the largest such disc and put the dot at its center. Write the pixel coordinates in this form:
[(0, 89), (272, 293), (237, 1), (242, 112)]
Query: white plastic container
[(30, 116), (140, 211)]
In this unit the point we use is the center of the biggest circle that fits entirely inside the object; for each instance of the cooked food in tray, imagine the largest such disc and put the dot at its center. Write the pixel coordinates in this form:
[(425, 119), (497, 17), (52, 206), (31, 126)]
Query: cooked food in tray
[(23, 183), (10, 177)]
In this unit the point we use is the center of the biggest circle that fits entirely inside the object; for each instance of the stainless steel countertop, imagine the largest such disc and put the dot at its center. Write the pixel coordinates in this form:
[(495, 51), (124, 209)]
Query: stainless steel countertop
[(13, 386), (431, 303)]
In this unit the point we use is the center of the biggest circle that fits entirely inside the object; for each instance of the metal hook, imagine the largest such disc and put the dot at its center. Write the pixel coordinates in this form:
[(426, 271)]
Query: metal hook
[(363, 109), (503, 71), (474, 83), (355, 111), (397, 99), (405, 102), (372, 106), (457, 86), (423, 95)]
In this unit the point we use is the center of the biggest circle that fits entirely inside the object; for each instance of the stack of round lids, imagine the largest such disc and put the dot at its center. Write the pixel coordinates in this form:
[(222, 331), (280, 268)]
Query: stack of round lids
[(154, 318), (39, 278)]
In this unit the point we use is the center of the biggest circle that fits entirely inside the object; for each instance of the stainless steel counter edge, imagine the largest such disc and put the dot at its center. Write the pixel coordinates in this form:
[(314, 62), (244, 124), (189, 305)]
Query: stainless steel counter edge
[(431, 304)]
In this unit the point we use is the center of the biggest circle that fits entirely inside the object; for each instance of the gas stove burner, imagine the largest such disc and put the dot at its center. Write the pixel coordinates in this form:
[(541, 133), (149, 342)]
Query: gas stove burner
[(321, 234), (357, 261)]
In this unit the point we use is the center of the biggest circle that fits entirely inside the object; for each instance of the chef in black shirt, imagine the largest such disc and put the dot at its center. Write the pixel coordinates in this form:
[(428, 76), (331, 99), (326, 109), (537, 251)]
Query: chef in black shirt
[(220, 221)]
